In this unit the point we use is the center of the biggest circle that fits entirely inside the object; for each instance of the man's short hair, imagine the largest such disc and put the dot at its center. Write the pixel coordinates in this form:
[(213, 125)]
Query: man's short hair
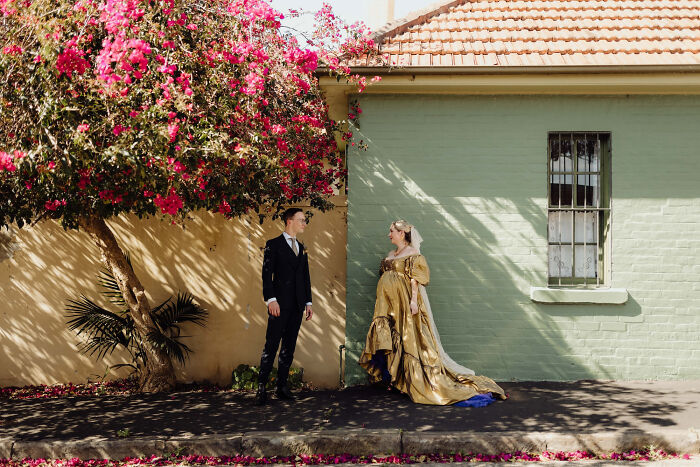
[(289, 214)]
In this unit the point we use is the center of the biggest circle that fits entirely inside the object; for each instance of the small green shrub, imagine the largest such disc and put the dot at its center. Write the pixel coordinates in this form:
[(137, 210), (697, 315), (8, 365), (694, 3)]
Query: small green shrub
[(246, 377)]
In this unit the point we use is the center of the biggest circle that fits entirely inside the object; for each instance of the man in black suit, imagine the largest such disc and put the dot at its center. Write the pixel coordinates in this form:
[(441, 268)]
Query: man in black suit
[(287, 293)]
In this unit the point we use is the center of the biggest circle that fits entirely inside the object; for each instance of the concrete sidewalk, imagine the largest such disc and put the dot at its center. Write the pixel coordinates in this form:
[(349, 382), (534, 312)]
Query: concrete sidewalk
[(585, 415)]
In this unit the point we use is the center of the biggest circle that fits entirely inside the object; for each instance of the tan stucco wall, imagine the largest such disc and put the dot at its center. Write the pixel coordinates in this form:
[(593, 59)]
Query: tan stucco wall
[(216, 260)]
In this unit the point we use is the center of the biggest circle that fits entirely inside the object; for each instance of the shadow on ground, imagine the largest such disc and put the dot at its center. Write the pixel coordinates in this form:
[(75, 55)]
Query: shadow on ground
[(580, 407)]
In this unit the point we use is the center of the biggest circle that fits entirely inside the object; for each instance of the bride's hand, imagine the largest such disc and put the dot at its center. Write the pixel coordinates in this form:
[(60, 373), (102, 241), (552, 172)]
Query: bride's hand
[(414, 307)]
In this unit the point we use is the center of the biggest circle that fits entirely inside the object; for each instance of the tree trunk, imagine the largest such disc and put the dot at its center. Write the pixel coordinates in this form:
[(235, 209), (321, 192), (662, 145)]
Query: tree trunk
[(159, 374)]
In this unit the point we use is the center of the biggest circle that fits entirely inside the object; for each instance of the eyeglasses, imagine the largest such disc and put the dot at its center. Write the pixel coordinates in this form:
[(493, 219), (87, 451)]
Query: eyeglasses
[(303, 221)]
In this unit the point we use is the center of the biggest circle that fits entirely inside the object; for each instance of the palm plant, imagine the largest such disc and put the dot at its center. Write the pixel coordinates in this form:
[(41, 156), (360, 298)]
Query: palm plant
[(103, 330)]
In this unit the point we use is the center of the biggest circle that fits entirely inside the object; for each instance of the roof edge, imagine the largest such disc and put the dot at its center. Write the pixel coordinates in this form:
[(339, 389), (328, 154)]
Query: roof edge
[(415, 17), (498, 70)]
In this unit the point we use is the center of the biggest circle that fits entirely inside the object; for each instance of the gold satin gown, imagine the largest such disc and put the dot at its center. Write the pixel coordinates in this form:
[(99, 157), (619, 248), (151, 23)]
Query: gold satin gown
[(413, 359)]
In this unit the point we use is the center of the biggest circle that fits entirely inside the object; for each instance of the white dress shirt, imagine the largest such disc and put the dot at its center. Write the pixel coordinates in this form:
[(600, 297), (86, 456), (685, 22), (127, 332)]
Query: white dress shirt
[(290, 240)]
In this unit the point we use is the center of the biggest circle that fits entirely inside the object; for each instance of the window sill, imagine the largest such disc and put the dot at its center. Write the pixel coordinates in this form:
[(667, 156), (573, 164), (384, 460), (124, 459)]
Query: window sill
[(579, 296)]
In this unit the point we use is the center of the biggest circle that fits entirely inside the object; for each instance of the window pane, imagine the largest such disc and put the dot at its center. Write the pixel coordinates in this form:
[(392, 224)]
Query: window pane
[(586, 261), (587, 190), (560, 260), (588, 154), (578, 203), (560, 226), (560, 154), (560, 190), (554, 153), (586, 227)]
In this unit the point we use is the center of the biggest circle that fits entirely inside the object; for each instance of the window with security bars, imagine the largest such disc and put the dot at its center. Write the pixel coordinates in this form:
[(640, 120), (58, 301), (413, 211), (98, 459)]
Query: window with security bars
[(578, 208)]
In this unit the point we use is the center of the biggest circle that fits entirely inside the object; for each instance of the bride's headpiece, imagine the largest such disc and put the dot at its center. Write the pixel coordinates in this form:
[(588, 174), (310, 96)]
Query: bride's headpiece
[(402, 225), (412, 235)]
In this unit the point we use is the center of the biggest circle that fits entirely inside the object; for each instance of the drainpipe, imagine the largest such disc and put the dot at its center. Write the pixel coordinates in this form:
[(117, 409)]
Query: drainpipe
[(341, 361)]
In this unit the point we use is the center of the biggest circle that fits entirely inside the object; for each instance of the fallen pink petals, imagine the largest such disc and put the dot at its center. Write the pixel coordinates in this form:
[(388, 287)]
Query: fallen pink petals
[(301, 460), (105, 388)]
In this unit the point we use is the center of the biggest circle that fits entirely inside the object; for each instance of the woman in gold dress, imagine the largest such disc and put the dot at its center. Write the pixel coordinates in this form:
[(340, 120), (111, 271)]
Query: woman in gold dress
[(403, 346)]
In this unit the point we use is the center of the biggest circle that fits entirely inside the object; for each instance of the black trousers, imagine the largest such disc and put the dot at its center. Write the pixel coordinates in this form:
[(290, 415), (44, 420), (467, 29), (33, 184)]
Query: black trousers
[(285, 328)]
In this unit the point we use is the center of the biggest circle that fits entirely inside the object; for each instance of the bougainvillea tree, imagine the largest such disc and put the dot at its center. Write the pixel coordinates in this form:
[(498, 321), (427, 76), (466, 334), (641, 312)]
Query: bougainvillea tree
[(161, 108)]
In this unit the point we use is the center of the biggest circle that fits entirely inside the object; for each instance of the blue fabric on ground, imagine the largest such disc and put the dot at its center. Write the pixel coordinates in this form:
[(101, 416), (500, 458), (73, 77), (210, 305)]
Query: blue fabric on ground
[(379, 361), (480, 400)]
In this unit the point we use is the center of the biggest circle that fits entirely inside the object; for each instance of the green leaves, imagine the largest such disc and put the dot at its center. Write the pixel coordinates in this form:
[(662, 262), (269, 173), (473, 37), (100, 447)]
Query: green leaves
[(104, 331), (183, 310), (168, 316), (246, 377)]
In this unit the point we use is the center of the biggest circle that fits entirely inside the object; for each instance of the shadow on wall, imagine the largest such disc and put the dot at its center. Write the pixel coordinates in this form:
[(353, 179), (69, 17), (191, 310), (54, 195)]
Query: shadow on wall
[(216, 260), (485, 242)]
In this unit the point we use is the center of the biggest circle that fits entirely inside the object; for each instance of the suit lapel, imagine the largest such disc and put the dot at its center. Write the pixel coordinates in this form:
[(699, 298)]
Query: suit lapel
[(284, 245)]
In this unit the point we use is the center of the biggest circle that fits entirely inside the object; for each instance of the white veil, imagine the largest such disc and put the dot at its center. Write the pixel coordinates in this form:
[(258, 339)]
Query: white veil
[(450, 364)]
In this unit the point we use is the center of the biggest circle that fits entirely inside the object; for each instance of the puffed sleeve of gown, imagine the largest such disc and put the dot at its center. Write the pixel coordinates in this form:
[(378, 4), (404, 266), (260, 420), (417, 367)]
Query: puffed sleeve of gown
[(418, 270)]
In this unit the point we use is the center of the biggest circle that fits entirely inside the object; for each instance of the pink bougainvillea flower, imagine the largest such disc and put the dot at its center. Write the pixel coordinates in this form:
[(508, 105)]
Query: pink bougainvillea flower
[(254, 84), (7, 162), (178, 167), (173, 129), (71, 61), (119, 129), (224, 207), (12, 50), (54, 204), (170, 204)]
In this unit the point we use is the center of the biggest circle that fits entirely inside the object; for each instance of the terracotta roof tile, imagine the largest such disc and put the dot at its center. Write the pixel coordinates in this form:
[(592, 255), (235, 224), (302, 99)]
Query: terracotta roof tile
[(545, 32)]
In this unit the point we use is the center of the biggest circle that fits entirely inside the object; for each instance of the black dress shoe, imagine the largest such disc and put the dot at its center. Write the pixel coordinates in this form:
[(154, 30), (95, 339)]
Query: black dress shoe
[(261, 395), (283, 392)]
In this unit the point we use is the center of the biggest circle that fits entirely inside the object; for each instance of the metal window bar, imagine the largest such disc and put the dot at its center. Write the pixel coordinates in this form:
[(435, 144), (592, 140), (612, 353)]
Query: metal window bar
[(589, 212), (576, 168), (597, 146), (574, 189)]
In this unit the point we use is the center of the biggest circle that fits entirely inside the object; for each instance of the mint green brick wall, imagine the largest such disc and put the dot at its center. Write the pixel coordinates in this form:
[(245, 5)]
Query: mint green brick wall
[(470, 172)]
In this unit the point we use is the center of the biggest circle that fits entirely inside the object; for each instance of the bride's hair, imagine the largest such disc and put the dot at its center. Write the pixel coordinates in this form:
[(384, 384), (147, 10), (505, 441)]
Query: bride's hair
[(404, 227)]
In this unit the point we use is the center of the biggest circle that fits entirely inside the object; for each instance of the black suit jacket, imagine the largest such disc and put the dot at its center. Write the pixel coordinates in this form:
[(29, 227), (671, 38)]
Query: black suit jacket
[(285, 275)]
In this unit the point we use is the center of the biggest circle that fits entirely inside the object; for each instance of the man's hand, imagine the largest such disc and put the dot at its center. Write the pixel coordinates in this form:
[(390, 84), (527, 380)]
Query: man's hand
[(309, 312), (273, 308)]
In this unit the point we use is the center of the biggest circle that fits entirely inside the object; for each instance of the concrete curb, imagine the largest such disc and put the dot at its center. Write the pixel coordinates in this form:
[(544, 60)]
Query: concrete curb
[(682, 441), (6, 448), (354, 442)]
